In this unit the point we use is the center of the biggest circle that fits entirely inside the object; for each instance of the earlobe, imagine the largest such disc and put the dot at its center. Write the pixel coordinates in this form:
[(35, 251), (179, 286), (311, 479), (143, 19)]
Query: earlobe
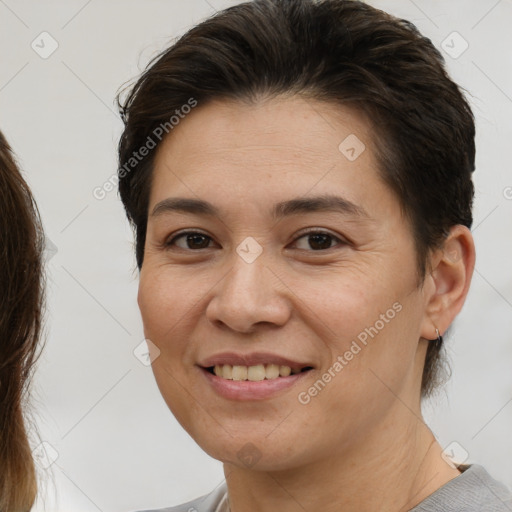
[(451, 277), (439, 338)]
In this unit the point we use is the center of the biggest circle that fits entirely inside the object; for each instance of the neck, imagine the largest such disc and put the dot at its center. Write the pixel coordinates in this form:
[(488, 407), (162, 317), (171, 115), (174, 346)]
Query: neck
[(391, 469)]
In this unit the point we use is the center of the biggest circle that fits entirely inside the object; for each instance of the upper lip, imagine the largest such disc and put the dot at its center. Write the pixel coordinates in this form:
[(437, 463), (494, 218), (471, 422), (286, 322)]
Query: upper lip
[(252, 359)]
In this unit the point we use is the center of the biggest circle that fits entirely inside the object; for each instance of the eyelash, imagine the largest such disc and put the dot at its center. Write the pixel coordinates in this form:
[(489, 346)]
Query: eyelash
[(312, 231)]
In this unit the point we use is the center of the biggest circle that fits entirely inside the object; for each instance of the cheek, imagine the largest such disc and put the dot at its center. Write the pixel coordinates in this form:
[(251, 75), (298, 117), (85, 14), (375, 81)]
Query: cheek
[(343, 308), (370, 329), (151, 306), (164, 314), (163, 303), (164, 311)]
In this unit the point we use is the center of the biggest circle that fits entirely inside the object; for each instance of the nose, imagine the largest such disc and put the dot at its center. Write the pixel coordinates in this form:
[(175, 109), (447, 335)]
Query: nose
[(249, 294)]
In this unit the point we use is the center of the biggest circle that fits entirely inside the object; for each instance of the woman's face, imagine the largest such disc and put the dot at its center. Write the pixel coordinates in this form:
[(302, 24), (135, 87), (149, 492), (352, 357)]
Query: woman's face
[(270, 277)]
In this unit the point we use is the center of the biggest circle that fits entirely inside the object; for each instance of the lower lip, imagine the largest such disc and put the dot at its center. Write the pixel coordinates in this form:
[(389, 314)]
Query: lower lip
[(252, 390)]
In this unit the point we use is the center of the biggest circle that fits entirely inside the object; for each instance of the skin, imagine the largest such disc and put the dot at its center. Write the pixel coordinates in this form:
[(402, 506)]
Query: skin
[(361, 443)]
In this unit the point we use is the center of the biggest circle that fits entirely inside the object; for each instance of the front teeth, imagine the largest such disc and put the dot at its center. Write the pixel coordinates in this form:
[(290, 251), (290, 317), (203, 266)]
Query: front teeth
[(253, 373)]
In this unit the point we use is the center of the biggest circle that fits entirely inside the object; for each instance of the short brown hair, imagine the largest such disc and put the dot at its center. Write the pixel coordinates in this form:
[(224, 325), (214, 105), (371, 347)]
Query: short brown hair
[(340, 51)]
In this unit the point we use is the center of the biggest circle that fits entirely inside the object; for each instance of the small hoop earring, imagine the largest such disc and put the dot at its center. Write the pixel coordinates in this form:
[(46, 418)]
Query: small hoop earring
[(439, 340)]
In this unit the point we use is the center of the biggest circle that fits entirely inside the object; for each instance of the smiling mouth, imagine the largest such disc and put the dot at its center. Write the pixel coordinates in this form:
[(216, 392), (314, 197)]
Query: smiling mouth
[(254, 373)]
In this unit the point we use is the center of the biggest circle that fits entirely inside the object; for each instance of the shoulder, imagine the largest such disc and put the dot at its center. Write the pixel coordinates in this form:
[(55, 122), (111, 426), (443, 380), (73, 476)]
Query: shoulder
[(474, 490), (211, 502)]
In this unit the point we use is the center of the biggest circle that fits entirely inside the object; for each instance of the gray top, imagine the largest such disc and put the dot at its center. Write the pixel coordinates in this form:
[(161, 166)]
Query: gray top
[(474, 490)]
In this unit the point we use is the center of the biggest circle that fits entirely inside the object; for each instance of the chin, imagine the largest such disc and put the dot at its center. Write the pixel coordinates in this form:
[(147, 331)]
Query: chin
[(261, 453)]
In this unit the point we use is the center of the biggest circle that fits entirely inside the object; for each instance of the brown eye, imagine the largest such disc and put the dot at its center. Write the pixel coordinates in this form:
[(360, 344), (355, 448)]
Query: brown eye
[(318, 240), (193, 240)]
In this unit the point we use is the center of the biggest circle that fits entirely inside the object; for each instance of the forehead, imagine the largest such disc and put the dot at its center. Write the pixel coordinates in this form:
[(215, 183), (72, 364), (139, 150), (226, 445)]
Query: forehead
[(307, 126), (288, 146)]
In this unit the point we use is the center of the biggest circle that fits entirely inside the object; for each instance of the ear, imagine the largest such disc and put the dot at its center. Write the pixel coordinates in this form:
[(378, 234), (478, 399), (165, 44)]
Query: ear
[(449, 280)]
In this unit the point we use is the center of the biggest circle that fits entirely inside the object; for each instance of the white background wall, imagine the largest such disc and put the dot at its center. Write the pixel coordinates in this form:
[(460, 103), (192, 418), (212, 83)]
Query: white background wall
[(98, 407)]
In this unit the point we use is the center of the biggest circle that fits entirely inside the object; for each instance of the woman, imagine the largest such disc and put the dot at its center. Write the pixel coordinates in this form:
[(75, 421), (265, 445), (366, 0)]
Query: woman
[(265, 132), (21, 304)]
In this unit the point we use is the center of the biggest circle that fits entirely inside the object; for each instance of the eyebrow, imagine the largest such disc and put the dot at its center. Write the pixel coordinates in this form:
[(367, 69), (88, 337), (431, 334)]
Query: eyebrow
[(280, 210)]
